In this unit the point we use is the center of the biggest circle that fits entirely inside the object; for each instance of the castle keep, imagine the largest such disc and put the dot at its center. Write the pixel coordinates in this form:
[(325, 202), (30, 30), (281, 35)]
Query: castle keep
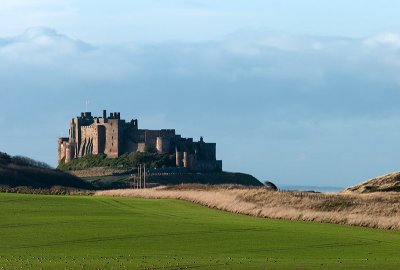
[(113, 136)]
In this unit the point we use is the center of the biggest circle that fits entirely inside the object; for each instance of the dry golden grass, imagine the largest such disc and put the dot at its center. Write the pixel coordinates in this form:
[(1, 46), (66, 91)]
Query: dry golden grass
[(378, 210), (384, 183)]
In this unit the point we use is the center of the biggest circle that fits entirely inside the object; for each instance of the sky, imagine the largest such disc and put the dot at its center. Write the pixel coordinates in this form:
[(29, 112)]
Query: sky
[(295, 92)]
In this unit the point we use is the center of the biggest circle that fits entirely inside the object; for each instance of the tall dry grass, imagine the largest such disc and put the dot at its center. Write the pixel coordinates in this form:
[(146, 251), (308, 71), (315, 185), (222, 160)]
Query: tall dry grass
[(378, 210)]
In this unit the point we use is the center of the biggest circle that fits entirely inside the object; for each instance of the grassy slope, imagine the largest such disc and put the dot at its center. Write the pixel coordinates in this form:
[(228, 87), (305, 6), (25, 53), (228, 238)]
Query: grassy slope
[(61, 232), (14, 175)]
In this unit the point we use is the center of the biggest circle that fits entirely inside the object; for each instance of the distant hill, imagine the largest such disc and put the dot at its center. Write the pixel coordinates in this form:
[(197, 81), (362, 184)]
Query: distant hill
[(385, 183), (22, 171)]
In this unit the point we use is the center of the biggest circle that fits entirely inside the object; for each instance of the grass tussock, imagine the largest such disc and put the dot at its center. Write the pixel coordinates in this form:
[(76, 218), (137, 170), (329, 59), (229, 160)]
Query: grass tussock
[(377, 210)]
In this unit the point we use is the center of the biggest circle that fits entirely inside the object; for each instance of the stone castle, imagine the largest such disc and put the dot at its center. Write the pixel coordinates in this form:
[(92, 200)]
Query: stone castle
[(112, 136)]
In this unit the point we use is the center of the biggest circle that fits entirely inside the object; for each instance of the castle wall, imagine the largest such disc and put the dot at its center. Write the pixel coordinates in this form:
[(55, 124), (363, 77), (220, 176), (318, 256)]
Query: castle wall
[(140, 140), (141, 147), (87, 138), (129, 146), (151, 139), (206, 151), (101, 139), (193, 162), (209, 166)]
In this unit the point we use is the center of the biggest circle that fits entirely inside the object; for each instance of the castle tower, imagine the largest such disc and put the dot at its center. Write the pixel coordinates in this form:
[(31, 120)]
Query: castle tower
[(113, 135), (178, 162), (69, 152), (185, 159), (162, 145), (61, 143)]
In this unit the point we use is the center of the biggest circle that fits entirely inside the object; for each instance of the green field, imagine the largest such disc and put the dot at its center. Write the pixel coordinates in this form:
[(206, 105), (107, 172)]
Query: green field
[(77, 232)]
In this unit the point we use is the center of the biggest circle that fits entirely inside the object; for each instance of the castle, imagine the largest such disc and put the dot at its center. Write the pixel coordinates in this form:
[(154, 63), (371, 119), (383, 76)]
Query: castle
[(112, 136)]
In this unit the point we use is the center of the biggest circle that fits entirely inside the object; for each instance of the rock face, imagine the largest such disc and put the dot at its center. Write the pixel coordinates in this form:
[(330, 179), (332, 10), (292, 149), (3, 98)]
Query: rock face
[(385, 183)]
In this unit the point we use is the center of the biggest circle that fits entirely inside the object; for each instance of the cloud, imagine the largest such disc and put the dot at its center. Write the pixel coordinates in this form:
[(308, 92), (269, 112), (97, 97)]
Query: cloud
[(12, 4), (310, 74), (41, 40), (272, 97), (386, 39), (300, 75), (45, 51)]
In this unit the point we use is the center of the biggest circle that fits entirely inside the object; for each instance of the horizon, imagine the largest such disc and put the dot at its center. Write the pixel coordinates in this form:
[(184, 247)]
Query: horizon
[(300, 94)]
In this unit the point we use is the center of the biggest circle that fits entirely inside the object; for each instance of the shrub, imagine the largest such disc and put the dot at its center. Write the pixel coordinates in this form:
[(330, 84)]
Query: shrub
[(25, 161), (4, 158), (127, 160)]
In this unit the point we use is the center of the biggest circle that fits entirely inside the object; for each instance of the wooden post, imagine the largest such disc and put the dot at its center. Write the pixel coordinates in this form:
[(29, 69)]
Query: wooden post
[(135, 181), (140, 176), (144, 178)]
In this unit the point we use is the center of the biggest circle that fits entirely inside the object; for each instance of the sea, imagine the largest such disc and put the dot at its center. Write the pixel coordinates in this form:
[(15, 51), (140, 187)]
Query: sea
[(311, 188)]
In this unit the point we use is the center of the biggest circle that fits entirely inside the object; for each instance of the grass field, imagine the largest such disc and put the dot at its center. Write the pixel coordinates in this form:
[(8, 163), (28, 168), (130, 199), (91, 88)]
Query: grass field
[(84, 232), (377, 210)]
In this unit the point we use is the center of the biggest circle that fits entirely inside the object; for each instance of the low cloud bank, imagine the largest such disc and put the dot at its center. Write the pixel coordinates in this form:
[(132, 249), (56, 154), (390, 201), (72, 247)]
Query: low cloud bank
[(282, 107)]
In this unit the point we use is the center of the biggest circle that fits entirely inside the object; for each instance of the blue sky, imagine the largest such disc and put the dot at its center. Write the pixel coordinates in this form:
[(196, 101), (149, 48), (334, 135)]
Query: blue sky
[(296, 92), (160, 20)]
